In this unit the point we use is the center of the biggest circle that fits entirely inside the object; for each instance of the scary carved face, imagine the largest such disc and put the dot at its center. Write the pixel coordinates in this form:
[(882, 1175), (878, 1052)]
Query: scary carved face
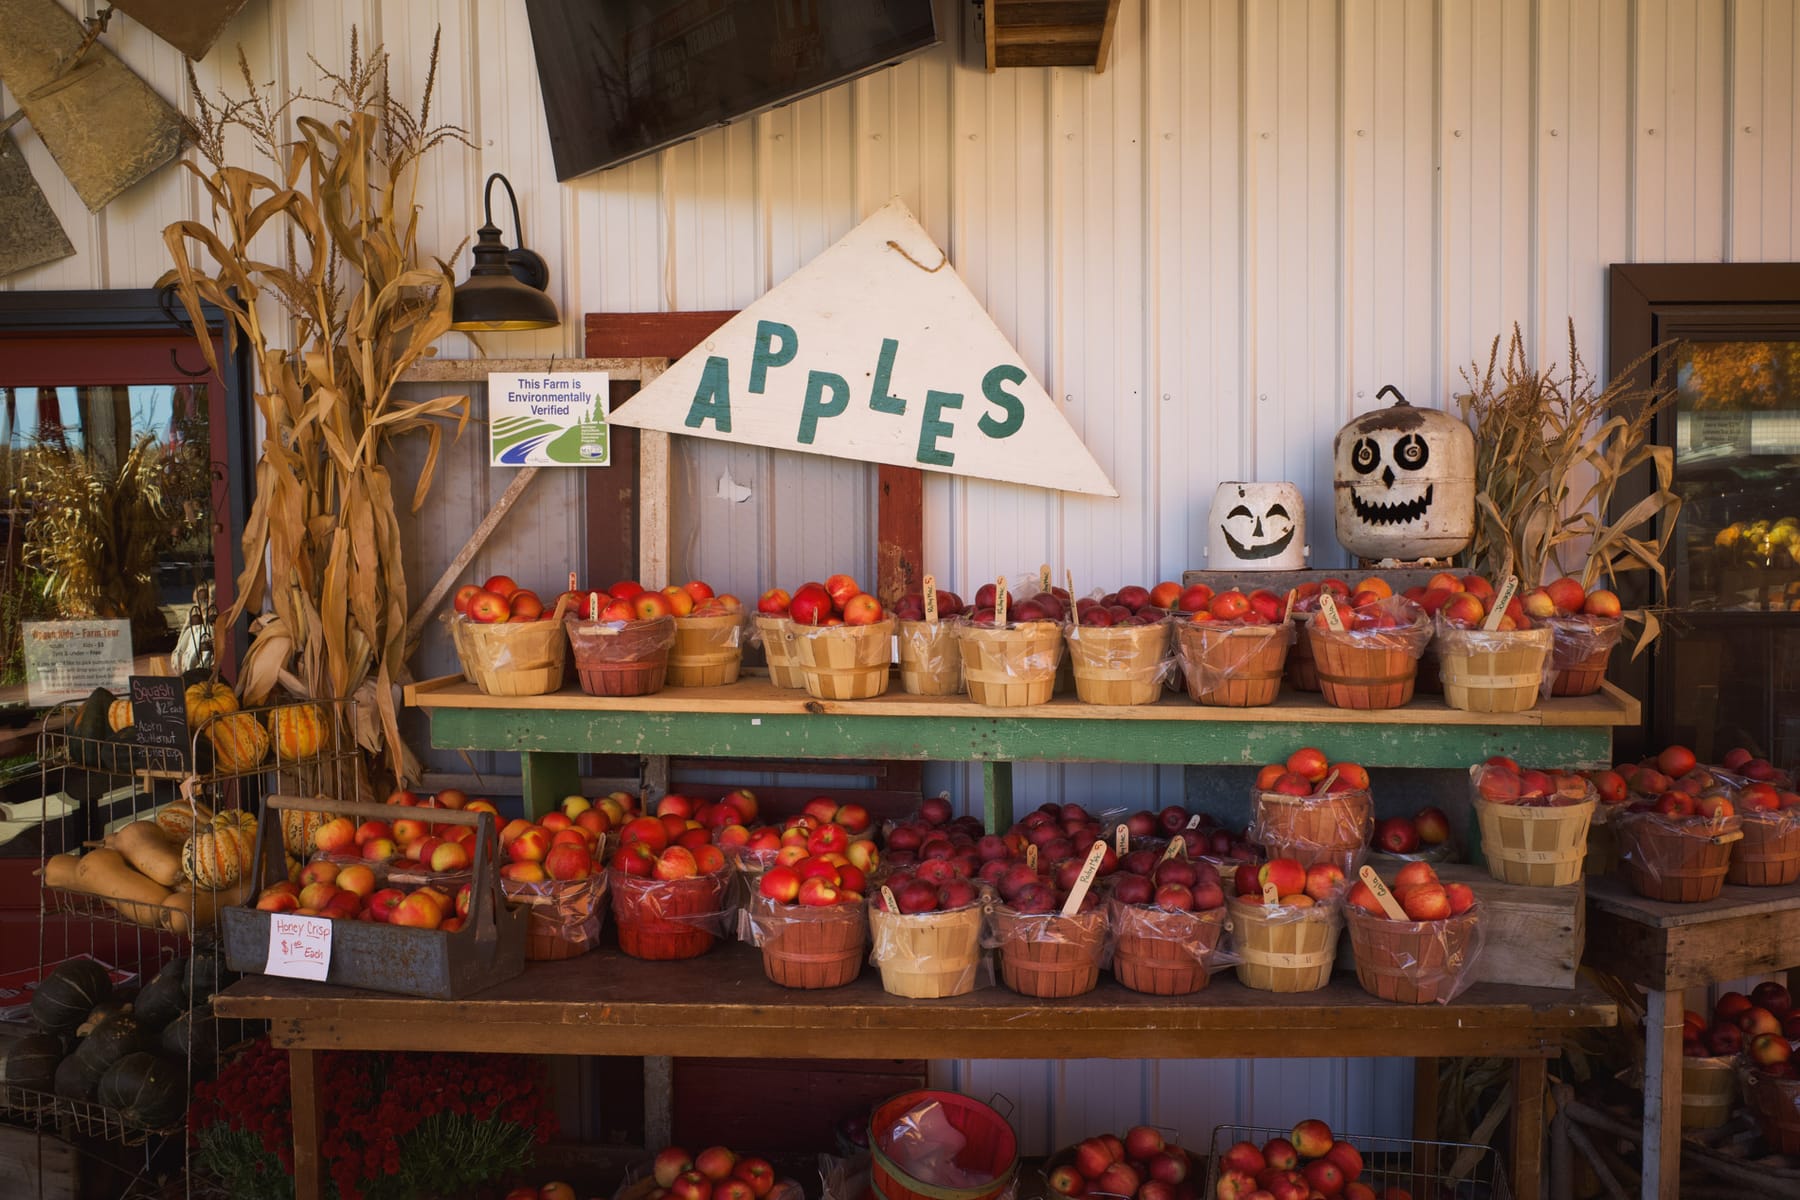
[(1390, 490), (1405, 483)]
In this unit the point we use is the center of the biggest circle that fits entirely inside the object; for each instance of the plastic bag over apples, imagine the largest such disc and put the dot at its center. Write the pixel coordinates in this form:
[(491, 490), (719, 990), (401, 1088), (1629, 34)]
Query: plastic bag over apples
[(924, 1144), (844, 1178), (676, 918), (1775, 1100), (762, 920), (1680, 859), (1197, 935), (1416, 962), (1582, 643), (930, 663), (930, 954), (563, 916), (1121, 664), (1233, 664), (1334, 827), (1495, 657)]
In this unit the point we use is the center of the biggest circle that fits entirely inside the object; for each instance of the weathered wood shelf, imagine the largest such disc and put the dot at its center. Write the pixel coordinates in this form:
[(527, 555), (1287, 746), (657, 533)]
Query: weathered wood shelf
[(755, 719)]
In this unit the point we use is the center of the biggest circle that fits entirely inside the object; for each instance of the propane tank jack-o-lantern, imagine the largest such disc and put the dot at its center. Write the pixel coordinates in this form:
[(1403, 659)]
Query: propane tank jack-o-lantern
[(1256, 527), (1405, 482)]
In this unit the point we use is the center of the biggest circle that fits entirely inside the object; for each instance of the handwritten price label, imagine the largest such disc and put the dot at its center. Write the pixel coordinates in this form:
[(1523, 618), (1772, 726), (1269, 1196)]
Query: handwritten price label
[(299, 947)]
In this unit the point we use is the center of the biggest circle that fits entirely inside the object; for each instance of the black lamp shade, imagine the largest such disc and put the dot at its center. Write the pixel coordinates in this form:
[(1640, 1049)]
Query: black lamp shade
[(505, 288)]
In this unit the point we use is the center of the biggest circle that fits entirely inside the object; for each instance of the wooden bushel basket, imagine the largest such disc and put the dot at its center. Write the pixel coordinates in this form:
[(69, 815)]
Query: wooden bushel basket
[(804, 947), (1291, 953), (927, 956), (1414, 962), (990, 1149), (1048, 955), (1776, 1103), (1581, 650), (1163, 953), (1232, 666), (1122, 664), (1364, 669), (1769, 854), (708, 651), (1536, 846), (1493, 672), (778, 650), (666, 919), (1013, 667), (562, 918), (845, 662), (1679, 861), (1302, 669), (1708, 1088), (1314, 829), (527, 658), (930, 663), (629, 658)]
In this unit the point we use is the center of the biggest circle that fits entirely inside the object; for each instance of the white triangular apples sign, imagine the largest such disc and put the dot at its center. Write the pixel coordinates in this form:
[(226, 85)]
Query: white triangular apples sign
[(869, 353)]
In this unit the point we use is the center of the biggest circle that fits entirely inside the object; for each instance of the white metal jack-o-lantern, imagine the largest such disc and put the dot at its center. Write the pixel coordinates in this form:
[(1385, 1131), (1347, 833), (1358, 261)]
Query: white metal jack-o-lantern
[(1405, 482), (1256, 527)]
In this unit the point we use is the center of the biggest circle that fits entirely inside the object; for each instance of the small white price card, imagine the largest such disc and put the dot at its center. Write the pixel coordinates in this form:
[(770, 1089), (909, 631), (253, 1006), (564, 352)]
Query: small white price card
[(299, 947)]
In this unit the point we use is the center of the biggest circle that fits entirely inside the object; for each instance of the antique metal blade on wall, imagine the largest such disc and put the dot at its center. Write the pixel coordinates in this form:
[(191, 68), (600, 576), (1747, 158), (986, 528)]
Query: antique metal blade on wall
[(106, 127), (191, 26), (30, 234)]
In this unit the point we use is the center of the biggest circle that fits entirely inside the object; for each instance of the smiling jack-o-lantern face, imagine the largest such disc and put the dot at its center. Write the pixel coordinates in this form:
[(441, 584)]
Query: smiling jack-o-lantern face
[(1257, 526), (1405, 483)]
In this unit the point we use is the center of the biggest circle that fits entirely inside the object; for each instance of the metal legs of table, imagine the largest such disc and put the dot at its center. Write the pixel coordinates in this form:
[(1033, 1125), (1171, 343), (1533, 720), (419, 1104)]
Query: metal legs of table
[(1662, 1095)]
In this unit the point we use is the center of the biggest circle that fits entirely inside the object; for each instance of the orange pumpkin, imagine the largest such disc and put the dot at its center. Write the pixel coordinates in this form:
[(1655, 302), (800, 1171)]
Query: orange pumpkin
[(208, 699), (118, 715), (238, 742), (298, 731)]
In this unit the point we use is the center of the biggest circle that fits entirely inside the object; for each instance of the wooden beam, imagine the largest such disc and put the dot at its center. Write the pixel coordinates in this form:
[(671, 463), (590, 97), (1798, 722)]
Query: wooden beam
[(1047, 56), (1047, 35), (476, 370), (652, 335), (1106, 36)]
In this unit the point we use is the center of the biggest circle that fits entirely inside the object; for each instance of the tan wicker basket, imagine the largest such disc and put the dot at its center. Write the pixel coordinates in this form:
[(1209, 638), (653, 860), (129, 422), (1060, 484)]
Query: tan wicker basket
[(1708, 1090), (805, 947), (1680, 861), (927, 956), (1013, 667), (1232, 666), (1493, 672), (515, 658), (845, 662), (1537, 846), (1314, 829), (930, 663), (1414, 962), (1048, 955), (1293, 952), (778, 649), (1163, 953), (1122, 664), (1769, 855), (708, 651), (1364, 669)]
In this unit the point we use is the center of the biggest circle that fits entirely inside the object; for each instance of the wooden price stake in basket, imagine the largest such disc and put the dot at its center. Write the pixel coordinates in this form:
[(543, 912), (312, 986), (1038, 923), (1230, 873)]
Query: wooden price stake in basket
[(1385, 898), (1044, 579), (1271, 896), (1089, 871), (1328, 606), (1031, 856), (931, 608), (1000, 603), (1509, 587), (1177, 849), (1288, 611), (887, 898), (1121, 840)]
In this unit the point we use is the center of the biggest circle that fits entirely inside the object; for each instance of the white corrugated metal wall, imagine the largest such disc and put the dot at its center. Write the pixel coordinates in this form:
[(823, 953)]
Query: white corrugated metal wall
[(1214, 253)]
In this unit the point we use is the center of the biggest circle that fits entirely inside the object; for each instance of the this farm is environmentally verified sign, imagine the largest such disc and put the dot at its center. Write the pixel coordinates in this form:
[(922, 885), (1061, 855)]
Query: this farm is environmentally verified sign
[(549, 420), (875, 350)]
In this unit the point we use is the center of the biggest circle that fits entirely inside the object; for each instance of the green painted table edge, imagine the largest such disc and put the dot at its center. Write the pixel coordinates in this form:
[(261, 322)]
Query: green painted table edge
[(549, 739)]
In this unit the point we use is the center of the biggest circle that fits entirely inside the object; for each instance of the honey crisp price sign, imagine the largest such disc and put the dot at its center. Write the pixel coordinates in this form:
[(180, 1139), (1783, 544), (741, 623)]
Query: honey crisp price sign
[(299, 947), (876, 351)]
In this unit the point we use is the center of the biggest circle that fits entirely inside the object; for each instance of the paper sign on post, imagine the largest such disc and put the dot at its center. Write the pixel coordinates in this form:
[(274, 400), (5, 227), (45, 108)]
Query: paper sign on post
[(299, 947), (556, 419), (66, 660)]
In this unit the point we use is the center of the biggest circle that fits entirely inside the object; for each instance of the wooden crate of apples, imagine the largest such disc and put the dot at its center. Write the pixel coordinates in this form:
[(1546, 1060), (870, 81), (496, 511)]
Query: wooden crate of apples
[(1310, 1161)]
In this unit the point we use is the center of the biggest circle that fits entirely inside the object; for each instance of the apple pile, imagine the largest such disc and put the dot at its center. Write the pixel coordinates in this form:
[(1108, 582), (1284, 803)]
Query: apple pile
[(414, 842), (1309, 1162), (1062, 833), (1421, 895), (554, 1190), (1420, 833), (1675, 769), (1740, 761), (650, 849), (1295, 886), (1500, 780), (911, 607), (1567, 598), (840, 600), (926, 891), (805, 836), (1307, 772), (1142, 1165), (1172, 884), (716, 1173), (1167, 823), (1375, 610), (351, 893), (815, 881), (1760, 1026), (1052, 605), (1132, 605), (499, 601), (1044, 890), (553, 847), (1674, 785), (1260, 607)]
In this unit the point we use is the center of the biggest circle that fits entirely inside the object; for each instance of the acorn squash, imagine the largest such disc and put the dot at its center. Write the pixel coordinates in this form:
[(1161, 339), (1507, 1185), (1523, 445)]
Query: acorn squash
[(298, 731), (209, 699), (62, 1002), (149, 1090), (162, 1000), (30, 1062), (111, 1040)]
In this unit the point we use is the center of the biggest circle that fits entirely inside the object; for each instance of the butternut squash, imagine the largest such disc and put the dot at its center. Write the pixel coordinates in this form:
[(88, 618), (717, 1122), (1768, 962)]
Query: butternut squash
[(189, 907), (146, 847), (136, 896), (59, 870)]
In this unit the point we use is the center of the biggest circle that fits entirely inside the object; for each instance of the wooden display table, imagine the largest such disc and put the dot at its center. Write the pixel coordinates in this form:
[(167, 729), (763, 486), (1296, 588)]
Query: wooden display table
[(606, 1004), (755, 719), (1664, 948)]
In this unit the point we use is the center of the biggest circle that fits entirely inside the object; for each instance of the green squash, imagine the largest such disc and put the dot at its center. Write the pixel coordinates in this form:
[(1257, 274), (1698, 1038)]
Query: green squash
[(206, 975), (162, 1000), (102, 1010), (150, 1090), (31, 1061), (90, 727), (63, 1001), (73, 1081), (111, 1040), (194, 1036)]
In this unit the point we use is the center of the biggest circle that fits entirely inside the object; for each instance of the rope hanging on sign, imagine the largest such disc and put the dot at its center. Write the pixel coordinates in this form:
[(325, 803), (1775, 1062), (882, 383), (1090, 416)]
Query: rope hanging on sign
[(943, 261)]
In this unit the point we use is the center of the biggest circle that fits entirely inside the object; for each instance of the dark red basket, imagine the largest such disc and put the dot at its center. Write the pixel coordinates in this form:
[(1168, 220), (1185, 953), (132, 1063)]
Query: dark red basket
[(664, 919), (992, 1149)]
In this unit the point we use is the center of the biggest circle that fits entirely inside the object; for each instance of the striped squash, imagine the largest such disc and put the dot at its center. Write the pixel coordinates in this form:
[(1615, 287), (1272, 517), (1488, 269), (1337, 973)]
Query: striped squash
[(298, 730), (180, 819), (209, 699), (118, 715), (238, 741), (215, 857)]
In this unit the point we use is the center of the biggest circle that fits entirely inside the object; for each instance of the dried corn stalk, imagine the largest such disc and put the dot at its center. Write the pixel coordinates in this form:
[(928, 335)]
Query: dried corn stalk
[(341, 317), (1551, 452)]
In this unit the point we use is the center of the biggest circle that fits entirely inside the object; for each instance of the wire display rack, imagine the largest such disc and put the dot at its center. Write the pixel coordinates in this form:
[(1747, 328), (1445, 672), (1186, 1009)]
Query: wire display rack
[(1427, 1170)]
